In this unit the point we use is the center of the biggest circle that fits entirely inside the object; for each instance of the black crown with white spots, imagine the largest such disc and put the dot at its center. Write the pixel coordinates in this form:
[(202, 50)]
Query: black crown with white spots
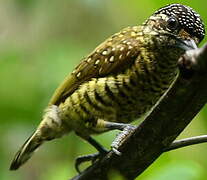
[(187, 17)]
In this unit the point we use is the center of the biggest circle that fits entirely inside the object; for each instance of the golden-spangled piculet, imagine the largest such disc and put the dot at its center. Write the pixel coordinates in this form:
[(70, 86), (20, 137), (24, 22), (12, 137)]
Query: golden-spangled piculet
[(120, 80)]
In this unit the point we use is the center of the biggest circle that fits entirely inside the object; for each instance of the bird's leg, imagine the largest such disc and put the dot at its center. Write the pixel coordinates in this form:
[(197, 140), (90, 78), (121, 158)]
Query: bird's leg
[(121, 136), (91, 157), (125, 129), (105, 126)]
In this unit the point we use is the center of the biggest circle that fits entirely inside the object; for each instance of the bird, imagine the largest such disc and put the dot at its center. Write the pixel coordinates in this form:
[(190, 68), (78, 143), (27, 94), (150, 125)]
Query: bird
[(119, 81)]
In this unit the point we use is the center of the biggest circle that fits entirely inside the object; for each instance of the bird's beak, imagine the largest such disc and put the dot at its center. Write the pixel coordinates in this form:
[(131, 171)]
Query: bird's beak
[(187, 44)]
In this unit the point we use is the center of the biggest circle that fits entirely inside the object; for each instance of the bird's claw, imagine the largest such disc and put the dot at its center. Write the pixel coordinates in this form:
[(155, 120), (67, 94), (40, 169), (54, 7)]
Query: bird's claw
[(85, 158), (120, 138), (114, 146)]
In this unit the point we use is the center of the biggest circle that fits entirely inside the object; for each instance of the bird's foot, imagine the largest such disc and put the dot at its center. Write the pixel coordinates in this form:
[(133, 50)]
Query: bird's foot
[(126, 130), (121, 137), (88, 158)]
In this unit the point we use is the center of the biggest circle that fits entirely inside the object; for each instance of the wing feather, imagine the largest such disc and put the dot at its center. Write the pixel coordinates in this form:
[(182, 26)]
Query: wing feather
[(113, 56)]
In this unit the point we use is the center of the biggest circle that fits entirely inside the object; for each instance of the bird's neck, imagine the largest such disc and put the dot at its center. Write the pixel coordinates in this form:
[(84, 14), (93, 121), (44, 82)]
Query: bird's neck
[(159, 59), (156, 65)]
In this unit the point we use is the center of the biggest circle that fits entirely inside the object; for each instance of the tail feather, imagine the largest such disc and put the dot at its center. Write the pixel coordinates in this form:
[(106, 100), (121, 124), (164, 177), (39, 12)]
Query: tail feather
[(26, 151), (51, 127)]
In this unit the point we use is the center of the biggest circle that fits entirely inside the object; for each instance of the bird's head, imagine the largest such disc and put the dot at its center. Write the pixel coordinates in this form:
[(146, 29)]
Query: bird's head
[(176, 26)]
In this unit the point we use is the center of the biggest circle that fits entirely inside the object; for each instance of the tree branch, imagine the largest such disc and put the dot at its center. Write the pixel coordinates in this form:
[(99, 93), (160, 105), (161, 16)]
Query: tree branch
[(162, 126), (186, 142)]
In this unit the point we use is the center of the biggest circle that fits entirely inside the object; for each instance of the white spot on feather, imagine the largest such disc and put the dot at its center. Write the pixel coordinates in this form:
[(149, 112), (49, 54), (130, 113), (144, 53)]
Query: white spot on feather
[(89, 59), (111, 59), (78, 75), (105, 52), (97, 62)]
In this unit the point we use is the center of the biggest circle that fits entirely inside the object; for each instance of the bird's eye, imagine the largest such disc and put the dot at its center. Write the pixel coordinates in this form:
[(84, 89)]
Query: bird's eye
[(172, 23)]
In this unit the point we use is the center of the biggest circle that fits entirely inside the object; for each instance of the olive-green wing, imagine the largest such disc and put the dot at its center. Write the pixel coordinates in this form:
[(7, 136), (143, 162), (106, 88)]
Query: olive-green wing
[(112, 56)]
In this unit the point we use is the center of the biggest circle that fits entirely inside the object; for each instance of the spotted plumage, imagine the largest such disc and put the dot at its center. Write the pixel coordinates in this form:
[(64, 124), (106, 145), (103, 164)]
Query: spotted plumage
[(121, 80), (187, 17)]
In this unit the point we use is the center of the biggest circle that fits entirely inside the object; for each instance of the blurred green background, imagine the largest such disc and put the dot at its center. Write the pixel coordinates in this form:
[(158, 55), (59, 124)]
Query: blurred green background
[(40, 43)]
